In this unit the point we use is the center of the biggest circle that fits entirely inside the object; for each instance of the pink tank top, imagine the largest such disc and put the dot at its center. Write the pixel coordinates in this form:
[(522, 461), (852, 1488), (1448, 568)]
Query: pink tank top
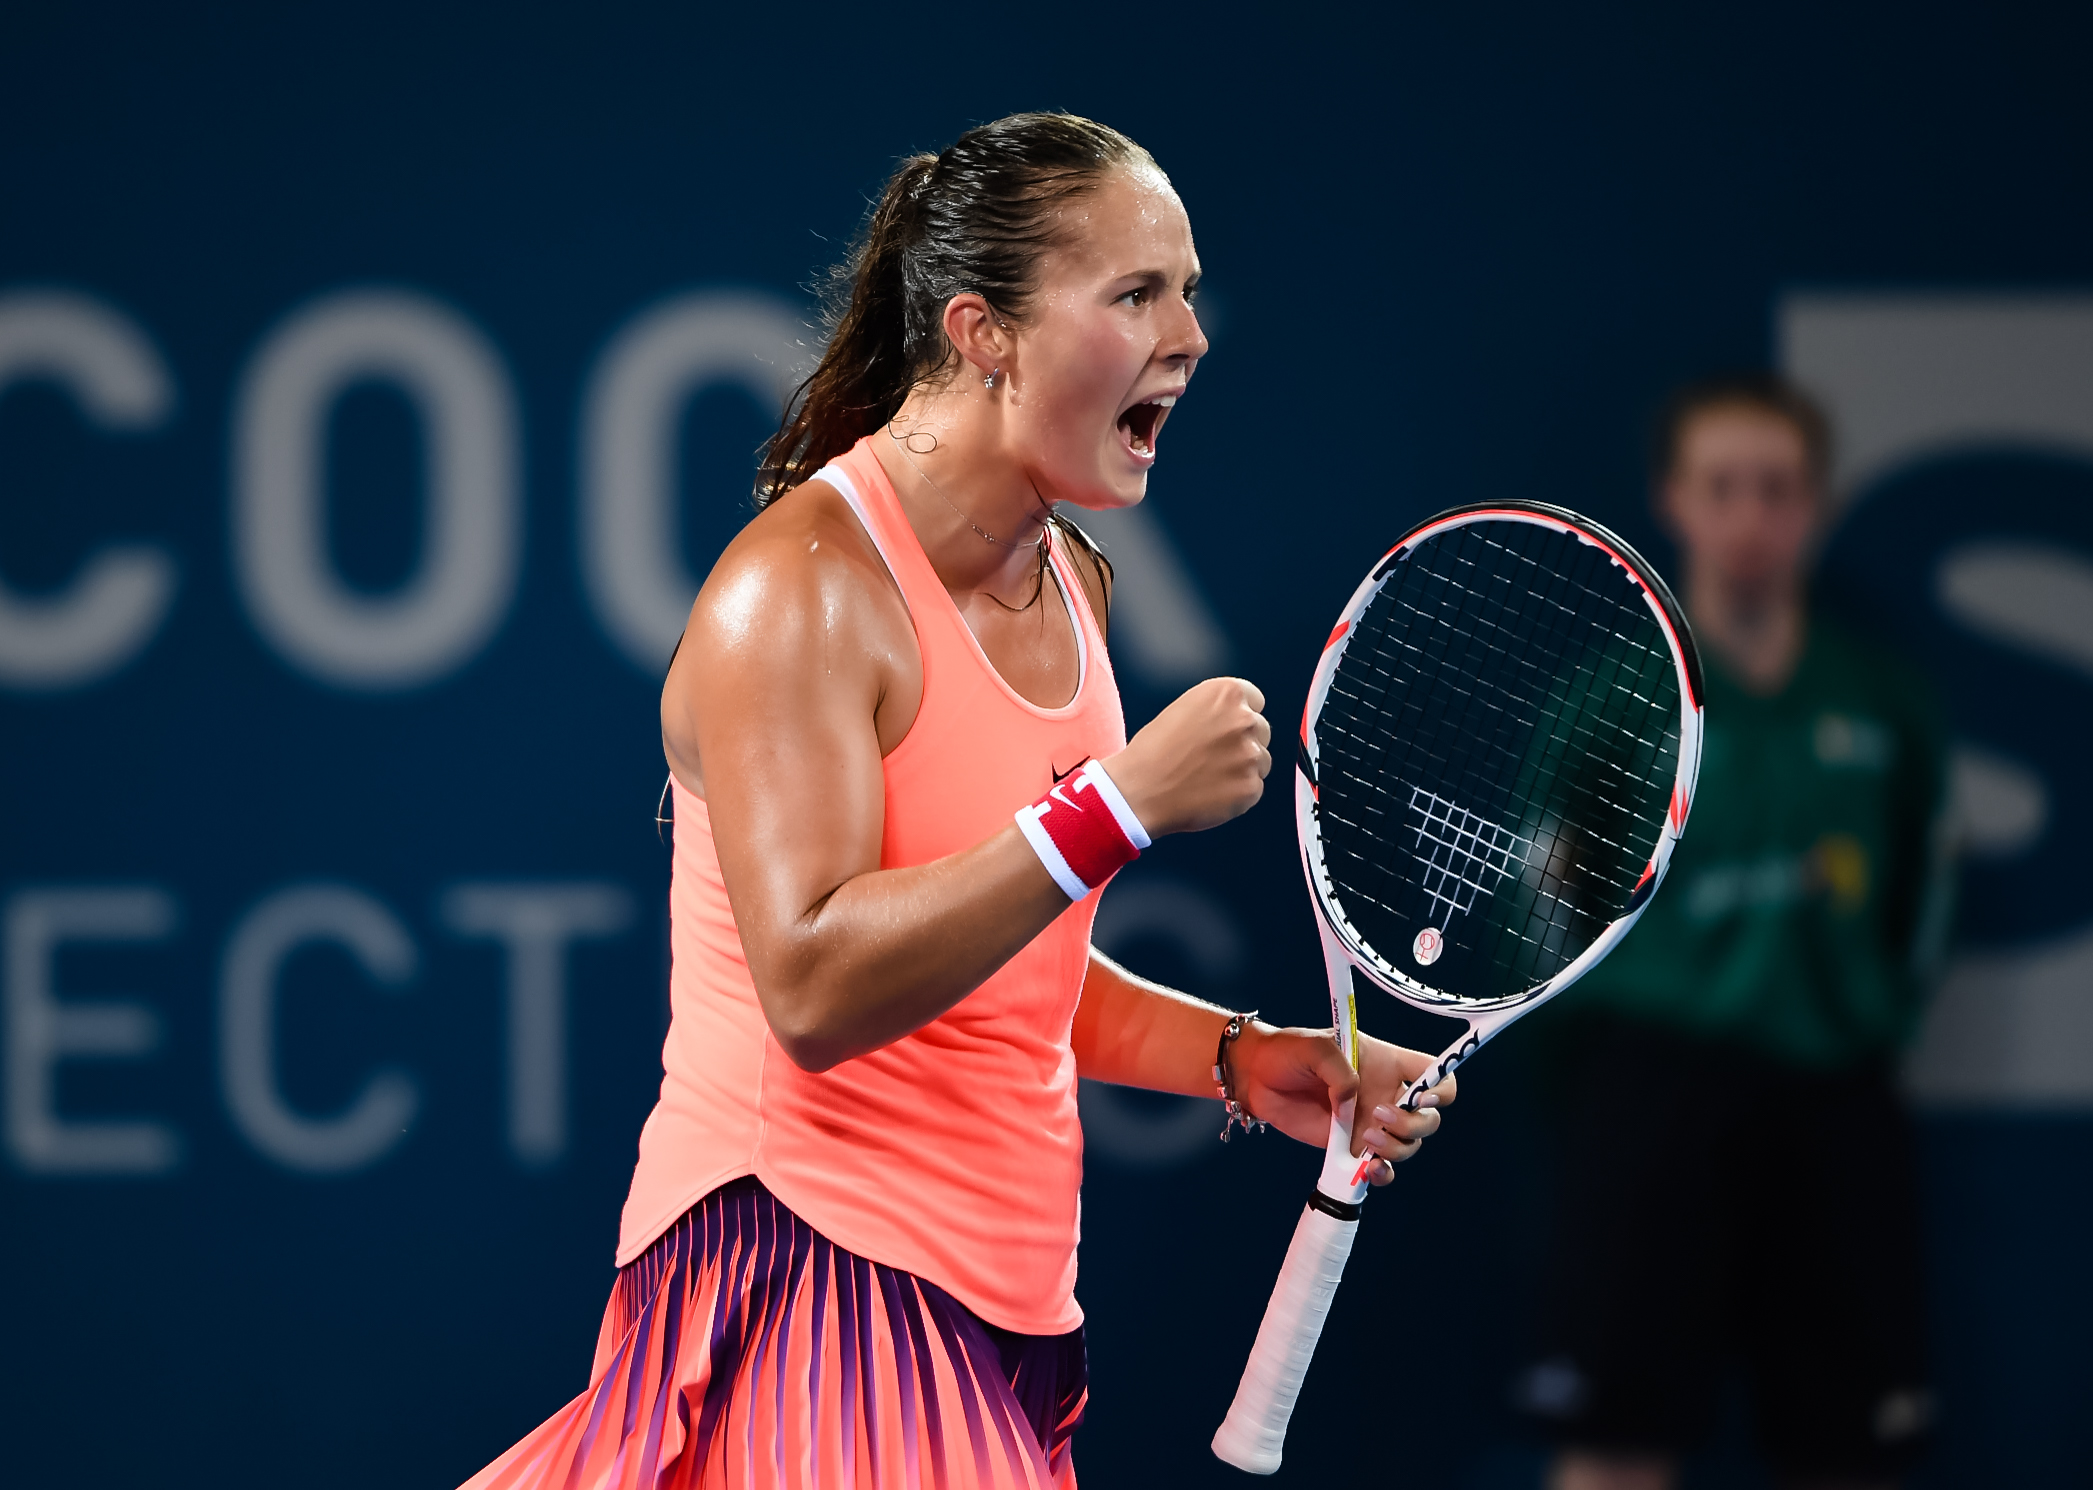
[(954, 1152)]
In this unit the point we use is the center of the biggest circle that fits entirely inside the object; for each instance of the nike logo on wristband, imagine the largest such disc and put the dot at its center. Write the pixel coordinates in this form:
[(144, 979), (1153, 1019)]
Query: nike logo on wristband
[(1082, 832)]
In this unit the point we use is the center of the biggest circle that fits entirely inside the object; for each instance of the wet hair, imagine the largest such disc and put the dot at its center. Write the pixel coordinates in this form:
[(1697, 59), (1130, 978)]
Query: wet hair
[(976, 217), (1762, 392)]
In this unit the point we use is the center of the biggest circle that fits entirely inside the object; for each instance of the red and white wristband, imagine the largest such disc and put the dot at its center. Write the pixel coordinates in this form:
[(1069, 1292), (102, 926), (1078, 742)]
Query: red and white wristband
[(1083, 830)]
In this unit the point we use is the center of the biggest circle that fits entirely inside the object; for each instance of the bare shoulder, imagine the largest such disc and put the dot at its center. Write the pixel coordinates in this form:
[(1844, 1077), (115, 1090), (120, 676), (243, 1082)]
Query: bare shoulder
[(804, 571), (799, 612)]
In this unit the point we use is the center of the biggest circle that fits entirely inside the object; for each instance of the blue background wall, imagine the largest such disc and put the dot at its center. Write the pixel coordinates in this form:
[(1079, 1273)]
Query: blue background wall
[(1448, 260)]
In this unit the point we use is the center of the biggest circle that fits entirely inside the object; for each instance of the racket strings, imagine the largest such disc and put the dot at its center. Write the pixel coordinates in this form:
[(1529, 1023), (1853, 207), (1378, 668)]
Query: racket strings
[(1455, 671), (1501, 720), (1467, 854), (1475, 661)]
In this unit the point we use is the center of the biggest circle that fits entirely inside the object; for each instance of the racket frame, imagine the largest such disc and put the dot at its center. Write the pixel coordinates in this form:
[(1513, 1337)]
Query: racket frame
[(1253, 1435), (1485, 1018)]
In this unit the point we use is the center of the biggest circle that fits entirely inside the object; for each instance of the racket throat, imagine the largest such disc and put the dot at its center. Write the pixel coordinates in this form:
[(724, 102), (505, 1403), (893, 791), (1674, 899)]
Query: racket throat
[(1457, 1054), (1344, 1007), (1342, 1184)]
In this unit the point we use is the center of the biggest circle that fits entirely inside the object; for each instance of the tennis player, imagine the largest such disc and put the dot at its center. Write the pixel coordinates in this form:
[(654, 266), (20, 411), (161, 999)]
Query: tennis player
[(900, 776), (1758, 1220)]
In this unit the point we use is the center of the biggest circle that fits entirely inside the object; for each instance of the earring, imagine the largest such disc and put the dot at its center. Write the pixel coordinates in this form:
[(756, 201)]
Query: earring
[(989, 382)]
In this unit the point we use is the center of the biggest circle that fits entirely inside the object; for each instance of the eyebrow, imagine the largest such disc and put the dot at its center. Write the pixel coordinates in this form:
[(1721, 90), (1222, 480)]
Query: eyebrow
[(1160, 275)]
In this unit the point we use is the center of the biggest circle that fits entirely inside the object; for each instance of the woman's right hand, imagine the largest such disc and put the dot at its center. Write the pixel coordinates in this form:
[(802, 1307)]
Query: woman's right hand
[(1200, 762)]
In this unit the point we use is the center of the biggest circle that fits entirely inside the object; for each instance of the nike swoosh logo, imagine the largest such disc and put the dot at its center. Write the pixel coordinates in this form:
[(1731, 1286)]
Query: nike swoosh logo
[(1060, 776)]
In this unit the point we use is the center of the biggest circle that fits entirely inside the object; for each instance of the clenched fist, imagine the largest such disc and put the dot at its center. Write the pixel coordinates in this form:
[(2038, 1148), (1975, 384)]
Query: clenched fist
[(1200, 762)]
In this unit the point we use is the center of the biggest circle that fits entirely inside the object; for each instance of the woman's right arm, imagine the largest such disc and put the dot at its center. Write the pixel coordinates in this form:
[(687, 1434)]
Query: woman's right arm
[(780, 683)]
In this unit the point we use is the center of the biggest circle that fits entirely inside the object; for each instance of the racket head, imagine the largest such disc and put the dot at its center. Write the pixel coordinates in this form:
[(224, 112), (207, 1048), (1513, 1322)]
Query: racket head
[(1497, 756)]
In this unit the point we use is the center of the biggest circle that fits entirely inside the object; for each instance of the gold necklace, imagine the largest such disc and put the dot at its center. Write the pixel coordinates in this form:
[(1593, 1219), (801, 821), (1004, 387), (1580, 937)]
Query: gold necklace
[(908, 455)]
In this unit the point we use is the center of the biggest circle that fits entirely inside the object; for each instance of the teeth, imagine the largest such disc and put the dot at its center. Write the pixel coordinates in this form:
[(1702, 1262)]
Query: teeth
[(1167, 401)]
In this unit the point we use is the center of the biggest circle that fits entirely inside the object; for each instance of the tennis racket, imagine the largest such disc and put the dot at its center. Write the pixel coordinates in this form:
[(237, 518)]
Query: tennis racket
[(1497, 757)]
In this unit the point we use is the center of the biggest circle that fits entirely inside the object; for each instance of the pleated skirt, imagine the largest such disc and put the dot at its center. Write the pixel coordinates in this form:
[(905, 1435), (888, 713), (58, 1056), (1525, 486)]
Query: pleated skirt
[(744, 1349)]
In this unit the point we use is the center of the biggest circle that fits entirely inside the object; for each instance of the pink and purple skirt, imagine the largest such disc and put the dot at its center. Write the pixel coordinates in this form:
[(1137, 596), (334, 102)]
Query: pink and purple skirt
[(745, 1349)]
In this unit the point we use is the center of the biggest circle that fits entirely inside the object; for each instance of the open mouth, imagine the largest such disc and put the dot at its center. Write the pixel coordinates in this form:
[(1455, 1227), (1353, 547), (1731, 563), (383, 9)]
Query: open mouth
[(1140, 425)]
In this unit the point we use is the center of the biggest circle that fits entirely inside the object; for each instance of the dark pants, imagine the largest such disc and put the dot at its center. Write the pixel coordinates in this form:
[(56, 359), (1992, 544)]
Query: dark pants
[(1719, 1217)]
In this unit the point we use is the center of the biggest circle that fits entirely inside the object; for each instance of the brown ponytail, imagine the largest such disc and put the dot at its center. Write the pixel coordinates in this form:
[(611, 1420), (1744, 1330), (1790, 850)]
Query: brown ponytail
[(976, 217)]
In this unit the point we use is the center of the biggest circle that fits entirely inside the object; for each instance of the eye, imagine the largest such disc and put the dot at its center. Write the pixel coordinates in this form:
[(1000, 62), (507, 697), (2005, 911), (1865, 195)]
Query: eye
[(1137, 296)]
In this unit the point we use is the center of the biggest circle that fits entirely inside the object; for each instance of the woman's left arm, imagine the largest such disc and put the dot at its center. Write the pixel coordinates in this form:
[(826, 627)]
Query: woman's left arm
[(1132, 1032)]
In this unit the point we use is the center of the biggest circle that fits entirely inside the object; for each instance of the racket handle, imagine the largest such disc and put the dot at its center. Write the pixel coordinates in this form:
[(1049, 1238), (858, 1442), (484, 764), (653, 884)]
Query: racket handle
[(1253, 1435)]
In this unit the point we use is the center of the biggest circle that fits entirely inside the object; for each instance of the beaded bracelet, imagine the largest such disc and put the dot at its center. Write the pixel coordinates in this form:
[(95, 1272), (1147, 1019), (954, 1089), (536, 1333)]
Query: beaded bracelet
[(1237, 1115)]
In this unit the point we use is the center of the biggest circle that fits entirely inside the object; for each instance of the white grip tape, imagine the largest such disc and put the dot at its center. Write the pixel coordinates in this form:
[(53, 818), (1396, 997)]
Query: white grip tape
[(1253, 1435)]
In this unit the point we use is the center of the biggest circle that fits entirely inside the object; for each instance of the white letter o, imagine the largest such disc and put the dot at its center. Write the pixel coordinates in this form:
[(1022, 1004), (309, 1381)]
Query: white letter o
[(473, 544), (631, 540)]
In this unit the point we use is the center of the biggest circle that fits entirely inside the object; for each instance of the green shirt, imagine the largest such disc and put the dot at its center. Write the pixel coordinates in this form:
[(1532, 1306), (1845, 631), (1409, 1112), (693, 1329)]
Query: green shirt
[(1807, 899)]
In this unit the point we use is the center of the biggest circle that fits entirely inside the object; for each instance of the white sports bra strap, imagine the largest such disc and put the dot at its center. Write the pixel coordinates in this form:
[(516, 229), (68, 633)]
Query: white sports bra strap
[(839, 478)]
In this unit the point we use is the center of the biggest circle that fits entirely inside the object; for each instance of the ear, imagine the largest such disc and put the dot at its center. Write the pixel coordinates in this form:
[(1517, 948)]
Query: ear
[(981, 338)]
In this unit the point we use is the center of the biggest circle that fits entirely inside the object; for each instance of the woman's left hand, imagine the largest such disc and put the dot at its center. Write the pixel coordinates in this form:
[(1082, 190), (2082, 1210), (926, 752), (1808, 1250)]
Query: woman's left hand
[(1294, 1078)]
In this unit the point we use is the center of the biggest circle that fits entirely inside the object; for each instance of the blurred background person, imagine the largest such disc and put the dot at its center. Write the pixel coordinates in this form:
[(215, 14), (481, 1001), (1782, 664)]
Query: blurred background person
[(1737, 1197)]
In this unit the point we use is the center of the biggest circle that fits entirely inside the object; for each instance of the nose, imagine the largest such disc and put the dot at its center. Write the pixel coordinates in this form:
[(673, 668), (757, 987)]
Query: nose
[(1186, 341)]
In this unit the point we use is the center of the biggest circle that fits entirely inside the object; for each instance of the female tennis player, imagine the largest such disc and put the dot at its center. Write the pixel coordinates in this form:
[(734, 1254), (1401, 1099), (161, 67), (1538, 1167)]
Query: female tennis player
[(900, 771)]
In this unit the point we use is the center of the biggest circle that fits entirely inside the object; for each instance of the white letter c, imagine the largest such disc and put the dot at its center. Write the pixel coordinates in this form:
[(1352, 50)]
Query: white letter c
[(287, 920), (119, 598)]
